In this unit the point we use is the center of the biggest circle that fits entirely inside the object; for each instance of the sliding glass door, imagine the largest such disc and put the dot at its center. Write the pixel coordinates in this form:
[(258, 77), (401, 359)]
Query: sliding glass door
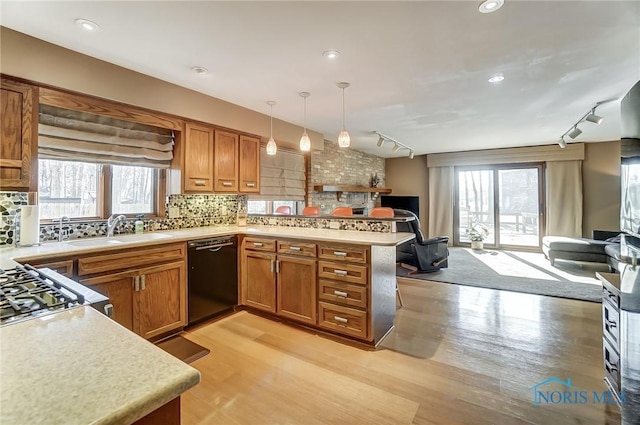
[(503, 201)]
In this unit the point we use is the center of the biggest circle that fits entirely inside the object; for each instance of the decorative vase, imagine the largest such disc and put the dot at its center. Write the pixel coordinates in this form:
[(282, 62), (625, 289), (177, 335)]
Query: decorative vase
[(477, 245)]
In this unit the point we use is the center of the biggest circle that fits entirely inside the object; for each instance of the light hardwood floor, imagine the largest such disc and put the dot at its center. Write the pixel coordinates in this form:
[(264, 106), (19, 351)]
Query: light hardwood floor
[(458, 355)]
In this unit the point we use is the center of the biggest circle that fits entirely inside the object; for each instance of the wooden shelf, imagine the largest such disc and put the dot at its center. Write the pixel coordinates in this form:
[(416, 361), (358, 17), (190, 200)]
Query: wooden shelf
[(340, 189)]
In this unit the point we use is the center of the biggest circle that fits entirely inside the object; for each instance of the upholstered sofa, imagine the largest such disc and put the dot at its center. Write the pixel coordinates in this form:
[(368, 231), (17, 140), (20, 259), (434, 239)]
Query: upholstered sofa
[(604, 247)]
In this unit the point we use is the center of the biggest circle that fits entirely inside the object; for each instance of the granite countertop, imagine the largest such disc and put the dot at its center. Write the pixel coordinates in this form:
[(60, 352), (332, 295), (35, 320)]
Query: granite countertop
[(10, 255), (80, 367)]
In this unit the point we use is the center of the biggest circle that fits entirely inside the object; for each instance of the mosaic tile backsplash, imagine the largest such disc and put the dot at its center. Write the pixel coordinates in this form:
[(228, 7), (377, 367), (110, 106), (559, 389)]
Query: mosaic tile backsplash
[(183, 211), (363, 225), (10, 203)]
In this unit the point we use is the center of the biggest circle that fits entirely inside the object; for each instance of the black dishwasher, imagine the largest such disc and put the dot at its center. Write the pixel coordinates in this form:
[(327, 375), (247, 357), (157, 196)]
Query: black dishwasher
[(213, 277)]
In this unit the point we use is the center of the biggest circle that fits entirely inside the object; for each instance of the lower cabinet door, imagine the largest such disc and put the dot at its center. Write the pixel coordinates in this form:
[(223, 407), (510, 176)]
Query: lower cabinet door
[(161, 299), (344, 320), (119, 289), (258, 281), (297, 298)]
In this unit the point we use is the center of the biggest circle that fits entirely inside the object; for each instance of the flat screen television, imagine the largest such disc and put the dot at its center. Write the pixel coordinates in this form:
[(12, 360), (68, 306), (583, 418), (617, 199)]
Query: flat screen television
[(410, 203)]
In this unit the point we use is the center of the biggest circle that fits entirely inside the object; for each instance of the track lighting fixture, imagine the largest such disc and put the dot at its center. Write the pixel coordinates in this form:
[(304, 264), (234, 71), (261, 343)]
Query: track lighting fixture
[(590, 116), (272, 148), (396, 145), (562, 143), (575, 132)]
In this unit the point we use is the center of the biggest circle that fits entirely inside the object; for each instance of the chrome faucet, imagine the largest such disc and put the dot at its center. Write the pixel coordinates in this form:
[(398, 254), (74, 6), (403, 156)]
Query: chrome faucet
[(112, 222), (61, 234)]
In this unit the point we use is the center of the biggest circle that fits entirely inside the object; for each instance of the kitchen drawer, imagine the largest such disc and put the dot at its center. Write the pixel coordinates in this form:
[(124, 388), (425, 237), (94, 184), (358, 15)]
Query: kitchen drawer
[(130, 258), (351, 253), (343, 319), (202, 184), (64, 267), (258, 244), (342, 293), (342, 271), (611, 296), (296, 248)]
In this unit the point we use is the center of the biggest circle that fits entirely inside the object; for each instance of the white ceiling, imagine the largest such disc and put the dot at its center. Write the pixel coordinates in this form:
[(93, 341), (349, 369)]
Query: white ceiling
[(418, 70)]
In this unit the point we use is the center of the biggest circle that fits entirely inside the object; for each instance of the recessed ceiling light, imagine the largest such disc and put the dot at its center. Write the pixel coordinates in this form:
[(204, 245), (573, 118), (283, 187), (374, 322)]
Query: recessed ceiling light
[(496, 78), (489, 6), (200, 70), (331, 54), (87, 25)]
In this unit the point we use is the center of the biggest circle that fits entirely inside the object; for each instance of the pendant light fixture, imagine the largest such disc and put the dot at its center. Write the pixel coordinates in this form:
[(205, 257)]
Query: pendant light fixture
[(272, 148), (343, 138), (305, 142)]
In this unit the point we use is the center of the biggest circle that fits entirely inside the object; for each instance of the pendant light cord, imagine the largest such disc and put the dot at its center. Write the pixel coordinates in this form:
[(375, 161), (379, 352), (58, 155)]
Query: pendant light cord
[(305, 114), (271, 117), (343, 127)]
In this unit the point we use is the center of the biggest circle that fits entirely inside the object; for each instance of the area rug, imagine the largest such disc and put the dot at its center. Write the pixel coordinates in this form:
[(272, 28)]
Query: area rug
[(183, 349), (519, 272)]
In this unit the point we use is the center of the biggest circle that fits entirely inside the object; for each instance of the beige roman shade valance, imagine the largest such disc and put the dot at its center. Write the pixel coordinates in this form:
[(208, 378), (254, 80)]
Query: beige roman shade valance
[(545, 153), (69, 135), (282, 176)]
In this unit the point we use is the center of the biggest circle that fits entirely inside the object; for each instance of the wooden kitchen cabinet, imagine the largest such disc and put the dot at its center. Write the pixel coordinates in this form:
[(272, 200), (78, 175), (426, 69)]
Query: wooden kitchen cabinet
[(18, 136), (259, 280), (249, 164), (284, 282), (119, 288), (226, 162), (296, 288), (159, 307), (198, 158), (147, 287)]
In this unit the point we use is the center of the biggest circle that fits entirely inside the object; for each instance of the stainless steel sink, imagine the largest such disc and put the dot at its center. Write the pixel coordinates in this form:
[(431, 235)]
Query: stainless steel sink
[(115, 240)]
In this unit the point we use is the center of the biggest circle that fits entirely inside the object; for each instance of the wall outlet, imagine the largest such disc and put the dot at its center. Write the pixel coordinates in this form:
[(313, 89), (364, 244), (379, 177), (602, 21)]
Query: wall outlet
[(223, 210), (272, 221), (174, 212), (334, 225)]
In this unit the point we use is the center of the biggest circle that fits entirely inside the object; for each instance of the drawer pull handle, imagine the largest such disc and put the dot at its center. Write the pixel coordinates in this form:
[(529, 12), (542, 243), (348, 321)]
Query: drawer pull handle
[(611, 323), (199, 182), (340, 272), (227, 184), (271, 266), (257, 244), (251, 184), (341, 294), (340, 319), (295, 248), (339, 254)]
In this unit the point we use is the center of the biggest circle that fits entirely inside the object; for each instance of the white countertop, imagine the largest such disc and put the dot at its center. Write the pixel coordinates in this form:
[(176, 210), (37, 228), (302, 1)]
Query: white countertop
[(10, 255), (79, 367)]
